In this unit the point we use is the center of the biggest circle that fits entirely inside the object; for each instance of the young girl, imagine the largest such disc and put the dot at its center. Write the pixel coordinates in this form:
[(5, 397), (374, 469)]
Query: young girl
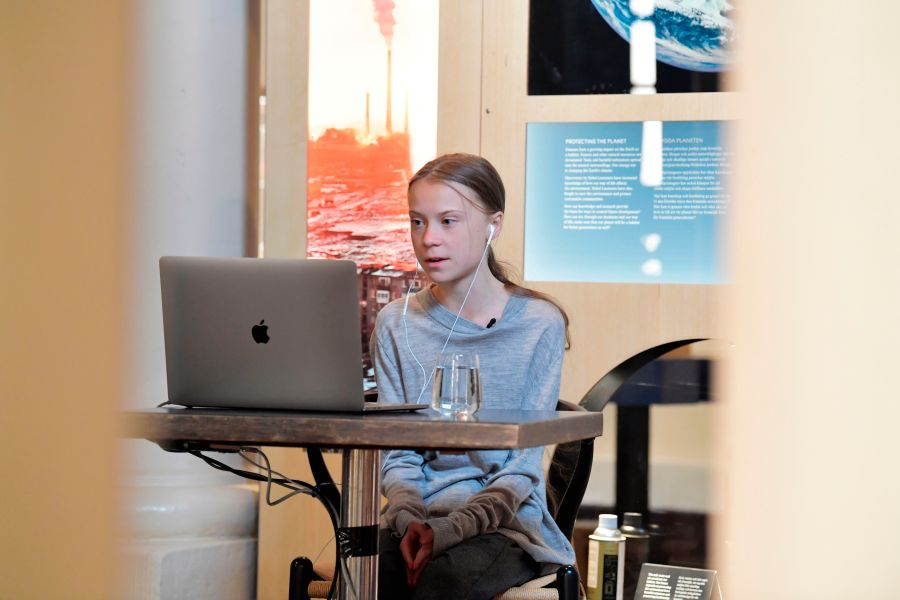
[(466, 525)]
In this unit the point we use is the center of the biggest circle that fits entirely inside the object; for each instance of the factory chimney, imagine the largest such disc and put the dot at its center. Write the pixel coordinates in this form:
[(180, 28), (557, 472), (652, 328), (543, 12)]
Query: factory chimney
[(388, 125), (384, 16), (368, 128)]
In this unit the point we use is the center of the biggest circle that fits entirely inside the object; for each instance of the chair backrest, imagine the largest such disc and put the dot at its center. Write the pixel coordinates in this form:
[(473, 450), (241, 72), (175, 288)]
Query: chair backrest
[(603, 391), (567, 477)]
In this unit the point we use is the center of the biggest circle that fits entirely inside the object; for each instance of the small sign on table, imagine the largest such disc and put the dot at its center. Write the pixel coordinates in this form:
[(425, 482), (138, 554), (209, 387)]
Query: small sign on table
[(662, 582)]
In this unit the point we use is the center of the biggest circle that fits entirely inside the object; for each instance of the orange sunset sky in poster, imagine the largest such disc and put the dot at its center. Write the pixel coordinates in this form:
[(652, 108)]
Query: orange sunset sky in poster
[(359, 157)]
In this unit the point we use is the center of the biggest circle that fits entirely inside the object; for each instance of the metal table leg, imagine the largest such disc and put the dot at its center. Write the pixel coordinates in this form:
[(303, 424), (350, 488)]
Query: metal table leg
[(358, 534)]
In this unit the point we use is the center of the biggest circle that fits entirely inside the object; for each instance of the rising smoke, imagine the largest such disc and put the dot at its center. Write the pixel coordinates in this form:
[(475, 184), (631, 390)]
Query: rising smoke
[(384, 16)]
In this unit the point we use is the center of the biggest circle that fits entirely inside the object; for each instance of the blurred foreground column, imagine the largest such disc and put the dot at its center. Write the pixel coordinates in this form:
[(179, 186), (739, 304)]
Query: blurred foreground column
[(809, 438), (63, 130)]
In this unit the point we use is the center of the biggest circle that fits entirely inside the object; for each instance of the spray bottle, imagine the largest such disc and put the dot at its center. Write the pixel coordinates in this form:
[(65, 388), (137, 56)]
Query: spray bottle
[(606, 560)]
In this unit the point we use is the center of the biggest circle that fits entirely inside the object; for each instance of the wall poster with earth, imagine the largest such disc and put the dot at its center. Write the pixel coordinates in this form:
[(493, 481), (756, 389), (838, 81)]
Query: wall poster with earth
[(581, 46), (372, 124)]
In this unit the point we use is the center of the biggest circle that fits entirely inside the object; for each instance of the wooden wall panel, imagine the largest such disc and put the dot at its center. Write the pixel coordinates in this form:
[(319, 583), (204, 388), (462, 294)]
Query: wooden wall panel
[(298, 526), (623, 107), (459, 77), (286, 64)]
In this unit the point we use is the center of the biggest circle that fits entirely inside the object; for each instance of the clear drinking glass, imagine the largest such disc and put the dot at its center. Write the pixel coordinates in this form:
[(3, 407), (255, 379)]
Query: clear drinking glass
[(456, 389)]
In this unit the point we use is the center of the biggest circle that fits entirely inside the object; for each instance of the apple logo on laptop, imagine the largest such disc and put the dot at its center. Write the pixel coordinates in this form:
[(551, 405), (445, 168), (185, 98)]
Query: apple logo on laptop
[(260, 333)]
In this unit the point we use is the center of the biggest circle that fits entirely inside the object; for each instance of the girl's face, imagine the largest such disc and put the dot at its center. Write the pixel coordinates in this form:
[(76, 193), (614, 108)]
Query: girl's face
[(448, 232)]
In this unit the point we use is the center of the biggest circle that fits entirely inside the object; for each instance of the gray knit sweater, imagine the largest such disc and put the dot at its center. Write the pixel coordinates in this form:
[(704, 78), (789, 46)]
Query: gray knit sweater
[(477, 492)]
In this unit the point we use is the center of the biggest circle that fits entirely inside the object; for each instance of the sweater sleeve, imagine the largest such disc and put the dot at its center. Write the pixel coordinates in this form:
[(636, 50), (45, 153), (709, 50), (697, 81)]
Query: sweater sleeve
[(497, 504), (401, 470)]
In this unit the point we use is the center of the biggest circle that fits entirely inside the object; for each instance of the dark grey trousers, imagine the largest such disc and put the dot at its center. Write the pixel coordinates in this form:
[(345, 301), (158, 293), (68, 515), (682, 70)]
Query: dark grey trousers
[(476, 569)]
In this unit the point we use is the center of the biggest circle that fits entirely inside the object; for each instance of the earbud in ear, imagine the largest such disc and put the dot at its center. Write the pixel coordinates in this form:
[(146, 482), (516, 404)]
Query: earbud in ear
[(490, 232)]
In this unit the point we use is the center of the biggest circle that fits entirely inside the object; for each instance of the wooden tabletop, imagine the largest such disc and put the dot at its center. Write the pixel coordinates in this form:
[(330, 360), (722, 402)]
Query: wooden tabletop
[(488, 429)]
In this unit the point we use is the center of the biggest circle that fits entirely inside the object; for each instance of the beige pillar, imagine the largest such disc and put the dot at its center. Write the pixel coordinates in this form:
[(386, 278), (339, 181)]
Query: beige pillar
[(809, 439), (62, 223)]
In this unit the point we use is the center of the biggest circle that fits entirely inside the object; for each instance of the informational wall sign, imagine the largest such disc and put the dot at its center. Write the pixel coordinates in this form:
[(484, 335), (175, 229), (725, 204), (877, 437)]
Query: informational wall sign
[(588, 218), (662, 582)]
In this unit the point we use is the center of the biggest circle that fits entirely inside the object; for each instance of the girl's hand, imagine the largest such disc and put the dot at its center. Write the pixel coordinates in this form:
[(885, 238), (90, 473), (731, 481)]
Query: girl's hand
[(416, 548)]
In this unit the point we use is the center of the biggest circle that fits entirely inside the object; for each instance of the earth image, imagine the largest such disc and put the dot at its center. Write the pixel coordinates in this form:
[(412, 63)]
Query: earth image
[(690, 34)]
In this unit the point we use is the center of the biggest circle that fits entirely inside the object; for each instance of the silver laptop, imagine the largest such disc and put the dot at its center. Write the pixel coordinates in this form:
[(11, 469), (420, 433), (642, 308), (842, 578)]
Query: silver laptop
[(263, 333)]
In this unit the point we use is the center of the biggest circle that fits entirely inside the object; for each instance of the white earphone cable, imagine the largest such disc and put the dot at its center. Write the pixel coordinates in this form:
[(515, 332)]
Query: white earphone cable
[(406, 332), (487, 247)]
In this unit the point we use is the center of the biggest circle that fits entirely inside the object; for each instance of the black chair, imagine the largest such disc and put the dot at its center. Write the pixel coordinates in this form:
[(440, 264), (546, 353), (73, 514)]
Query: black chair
[(633, 386), (567, 479)]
